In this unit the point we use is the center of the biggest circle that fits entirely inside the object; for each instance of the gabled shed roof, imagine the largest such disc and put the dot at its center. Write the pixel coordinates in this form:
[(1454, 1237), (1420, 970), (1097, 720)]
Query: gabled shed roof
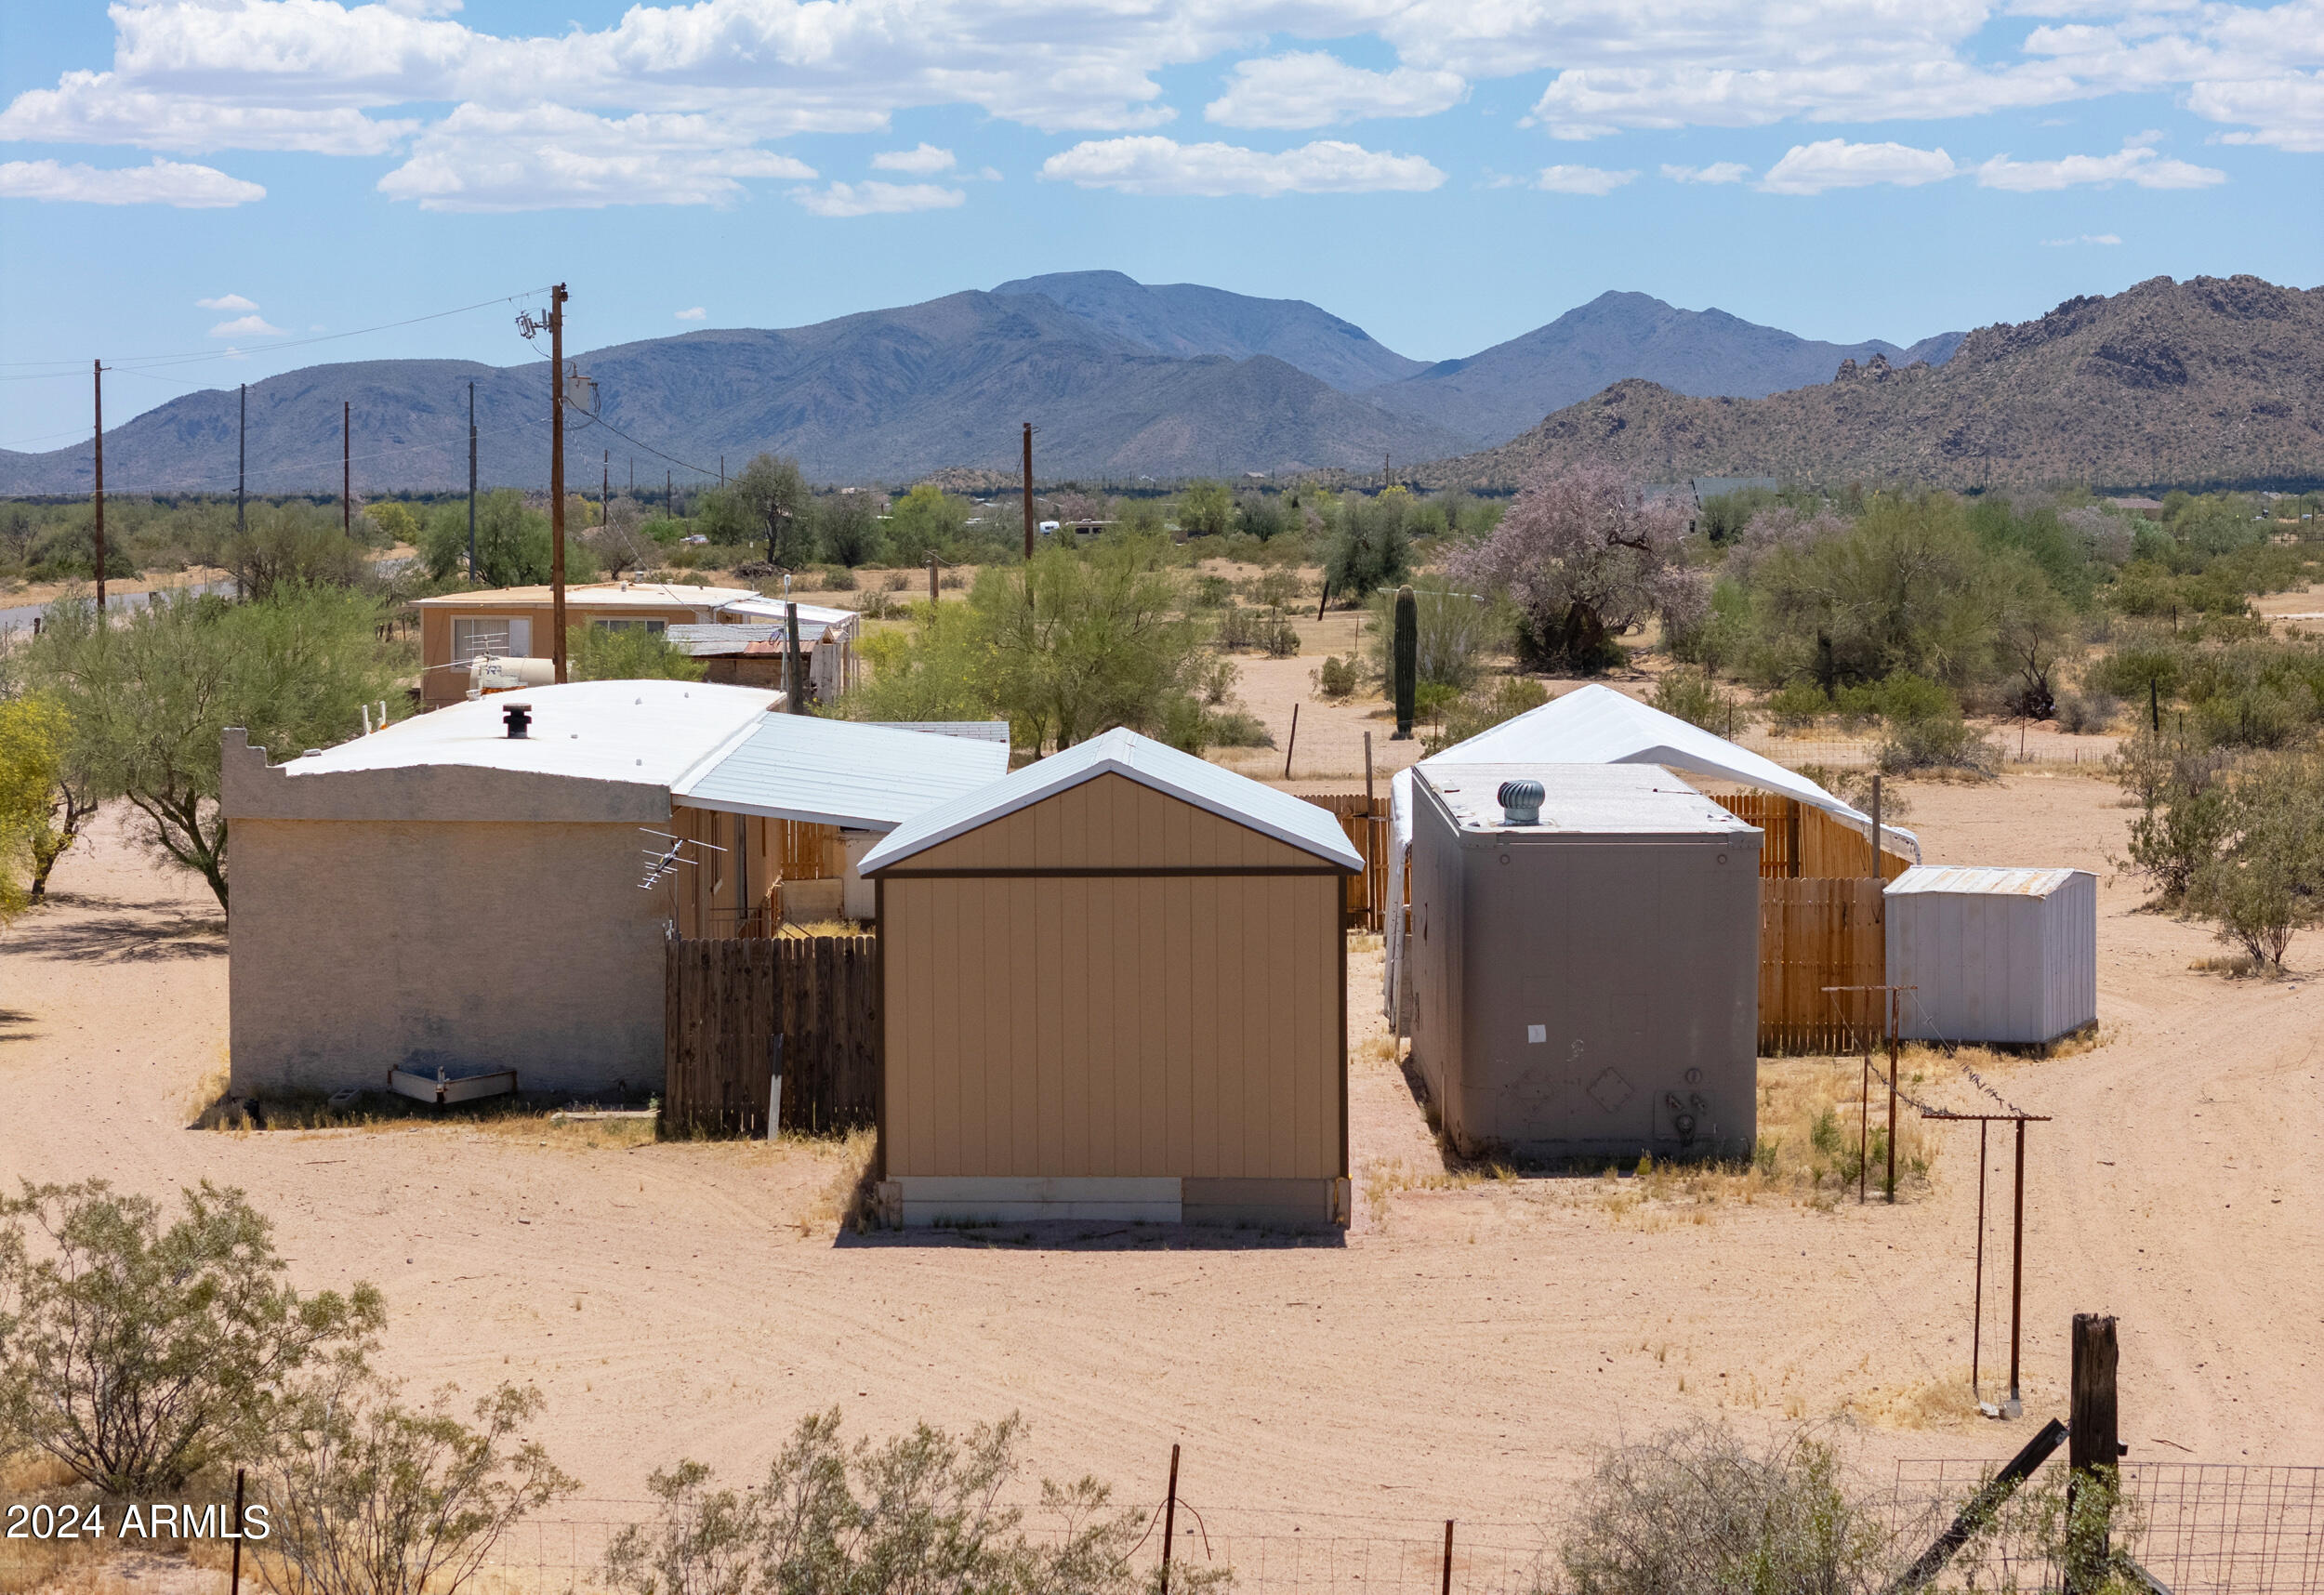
[(1150, 764)]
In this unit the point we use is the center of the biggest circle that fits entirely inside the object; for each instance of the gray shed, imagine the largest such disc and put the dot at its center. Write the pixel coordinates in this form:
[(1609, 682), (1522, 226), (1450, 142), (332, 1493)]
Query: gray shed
[(1586, 985), (2006, 955)]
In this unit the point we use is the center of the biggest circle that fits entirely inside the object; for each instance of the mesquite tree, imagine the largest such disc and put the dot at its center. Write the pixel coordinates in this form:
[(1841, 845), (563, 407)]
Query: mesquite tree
[(1585, 555)]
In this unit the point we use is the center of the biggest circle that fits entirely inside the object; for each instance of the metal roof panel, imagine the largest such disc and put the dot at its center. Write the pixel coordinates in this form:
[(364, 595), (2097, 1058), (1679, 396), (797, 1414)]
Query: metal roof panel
[(841, 773)]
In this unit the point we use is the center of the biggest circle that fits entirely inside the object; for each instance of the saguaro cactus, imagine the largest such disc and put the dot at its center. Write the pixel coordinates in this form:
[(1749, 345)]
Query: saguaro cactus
[(1406, 657)]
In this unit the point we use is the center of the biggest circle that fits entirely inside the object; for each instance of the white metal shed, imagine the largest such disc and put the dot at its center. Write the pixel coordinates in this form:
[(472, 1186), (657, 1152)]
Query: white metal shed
[(1997, 955)]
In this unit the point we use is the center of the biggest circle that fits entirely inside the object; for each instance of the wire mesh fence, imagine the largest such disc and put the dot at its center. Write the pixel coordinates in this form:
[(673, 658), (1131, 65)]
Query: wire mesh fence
[(2019, 747), (2198, 1529)]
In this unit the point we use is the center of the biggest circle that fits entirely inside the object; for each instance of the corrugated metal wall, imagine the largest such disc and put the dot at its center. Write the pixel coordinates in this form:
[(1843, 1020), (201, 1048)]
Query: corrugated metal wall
[(1109, 1024), (1996, 966)]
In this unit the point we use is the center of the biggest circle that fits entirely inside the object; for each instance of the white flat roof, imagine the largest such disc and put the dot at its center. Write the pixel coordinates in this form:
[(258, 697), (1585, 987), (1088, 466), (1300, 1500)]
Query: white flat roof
[(841, 773), (647, 732), (738, 601), (1181, 775), (1582, 800)]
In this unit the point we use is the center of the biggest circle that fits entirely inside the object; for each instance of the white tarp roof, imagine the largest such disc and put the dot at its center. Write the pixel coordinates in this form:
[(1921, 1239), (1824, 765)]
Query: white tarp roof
[(840, 773), (1151, 764), (1598, 725)]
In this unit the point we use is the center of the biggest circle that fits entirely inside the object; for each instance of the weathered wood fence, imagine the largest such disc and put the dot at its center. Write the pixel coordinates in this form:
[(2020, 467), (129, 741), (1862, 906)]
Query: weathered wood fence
[(1364, 905), (725, 1002), (1806, 843), (1812, 934)]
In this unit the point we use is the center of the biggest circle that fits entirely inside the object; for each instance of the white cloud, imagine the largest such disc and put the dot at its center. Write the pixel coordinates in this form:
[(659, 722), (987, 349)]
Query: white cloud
[(696, 314), (226, 302), (1156, 165), (1580, 180), (2085, 238), (878, 198), (162, 183), (547, 157), (246, 327), (103, 108), (922, 160), (2287, 112), (2136, 162), (1716, 172), (1836, 164), (1309, 88), (369, 78)]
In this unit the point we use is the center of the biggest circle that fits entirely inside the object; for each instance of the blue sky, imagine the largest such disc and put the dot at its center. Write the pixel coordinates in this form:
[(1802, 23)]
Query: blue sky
[(220, 178)]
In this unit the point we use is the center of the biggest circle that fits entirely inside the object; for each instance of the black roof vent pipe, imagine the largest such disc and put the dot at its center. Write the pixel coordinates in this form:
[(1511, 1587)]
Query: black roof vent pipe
[(518, 717)]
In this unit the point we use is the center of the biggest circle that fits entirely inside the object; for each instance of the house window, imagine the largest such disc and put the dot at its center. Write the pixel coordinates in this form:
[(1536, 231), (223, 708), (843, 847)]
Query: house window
[(653, 627), (495, 636)]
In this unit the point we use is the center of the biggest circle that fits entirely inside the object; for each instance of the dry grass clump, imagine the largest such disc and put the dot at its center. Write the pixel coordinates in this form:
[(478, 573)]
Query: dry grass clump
[(846, 1199), (1939, 1402), (1386, 1176)]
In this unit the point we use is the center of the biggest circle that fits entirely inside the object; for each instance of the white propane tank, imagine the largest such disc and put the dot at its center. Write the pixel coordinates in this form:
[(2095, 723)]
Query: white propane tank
[(486, 676)]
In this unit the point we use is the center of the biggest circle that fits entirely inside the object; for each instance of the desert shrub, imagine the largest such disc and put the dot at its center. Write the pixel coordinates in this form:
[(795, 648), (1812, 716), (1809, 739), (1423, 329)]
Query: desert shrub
[(2182, 815), (368, 1496), (920, 1511), (1239, 628), (1937, 741), (1336, 678), (1212, 591), (1235, 728), (296, 545), (138, 1355), (1467, 715), (1277, 636), (1690, 695), (837, 579), (2087, 711), (2265, 879), (1698, 1509), (602, 652), (1798, 706), (1276, 589)]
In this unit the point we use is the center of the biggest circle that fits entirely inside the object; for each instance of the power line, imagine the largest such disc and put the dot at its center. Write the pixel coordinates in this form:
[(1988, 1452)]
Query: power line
[(72, 368)]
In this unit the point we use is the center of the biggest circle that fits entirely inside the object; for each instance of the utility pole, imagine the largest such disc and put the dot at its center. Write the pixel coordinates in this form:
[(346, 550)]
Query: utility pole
[(471, 485), (557, 475), (98, 372), (605, 490), (669, 494), (241, 459), (1028, 491), (347, 473)]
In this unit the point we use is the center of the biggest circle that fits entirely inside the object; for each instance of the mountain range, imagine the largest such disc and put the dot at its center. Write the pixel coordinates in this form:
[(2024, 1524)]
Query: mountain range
[(1121, 381), (2210, 380)]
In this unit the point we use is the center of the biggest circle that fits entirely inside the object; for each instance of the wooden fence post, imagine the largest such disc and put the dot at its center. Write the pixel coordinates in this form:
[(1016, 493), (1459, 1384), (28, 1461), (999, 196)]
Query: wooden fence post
[(2092, 1446)]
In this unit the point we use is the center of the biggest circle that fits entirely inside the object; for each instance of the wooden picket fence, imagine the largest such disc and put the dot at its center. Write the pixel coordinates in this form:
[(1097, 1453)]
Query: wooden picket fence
[(726, 1000), (1804, 842), (1812, 934), (1363, 906)]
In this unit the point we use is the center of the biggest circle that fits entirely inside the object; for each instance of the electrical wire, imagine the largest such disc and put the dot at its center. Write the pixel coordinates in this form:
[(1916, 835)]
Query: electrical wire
[(74, 368)]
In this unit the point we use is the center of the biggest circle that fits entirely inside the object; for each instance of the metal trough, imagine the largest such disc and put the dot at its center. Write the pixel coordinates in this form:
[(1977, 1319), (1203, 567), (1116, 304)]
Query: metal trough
[(444, 1090)]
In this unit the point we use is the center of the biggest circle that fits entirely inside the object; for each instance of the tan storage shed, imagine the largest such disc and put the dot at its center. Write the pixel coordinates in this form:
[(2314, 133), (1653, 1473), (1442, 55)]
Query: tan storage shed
[(1114, 988)]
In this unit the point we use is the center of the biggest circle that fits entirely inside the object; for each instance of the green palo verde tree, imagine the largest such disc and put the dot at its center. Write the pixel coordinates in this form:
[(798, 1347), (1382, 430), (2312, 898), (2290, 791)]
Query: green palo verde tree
[(147, 698), (138, 1355)]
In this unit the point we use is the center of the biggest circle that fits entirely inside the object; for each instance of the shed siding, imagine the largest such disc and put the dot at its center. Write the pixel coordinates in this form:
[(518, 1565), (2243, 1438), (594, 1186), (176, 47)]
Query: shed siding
[(1114, 1026), (1111, 822), (1990, 965), (361, 946)]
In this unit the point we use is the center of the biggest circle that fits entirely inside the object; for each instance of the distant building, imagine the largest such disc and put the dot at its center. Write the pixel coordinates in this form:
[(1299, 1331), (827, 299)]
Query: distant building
[(513, 623)]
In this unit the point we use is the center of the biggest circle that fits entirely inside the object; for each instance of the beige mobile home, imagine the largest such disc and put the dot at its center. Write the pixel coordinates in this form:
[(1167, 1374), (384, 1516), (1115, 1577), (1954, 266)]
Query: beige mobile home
[(1116, 988)]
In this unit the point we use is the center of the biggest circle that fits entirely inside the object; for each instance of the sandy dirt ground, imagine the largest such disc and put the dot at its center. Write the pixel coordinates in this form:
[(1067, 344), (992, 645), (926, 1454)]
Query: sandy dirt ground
[(1460, 1353)]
